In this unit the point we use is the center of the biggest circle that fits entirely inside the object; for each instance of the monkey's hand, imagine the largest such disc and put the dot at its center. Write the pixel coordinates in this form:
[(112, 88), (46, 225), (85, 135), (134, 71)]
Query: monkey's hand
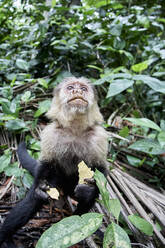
[(84, 192), (90, 181), (41, 190)]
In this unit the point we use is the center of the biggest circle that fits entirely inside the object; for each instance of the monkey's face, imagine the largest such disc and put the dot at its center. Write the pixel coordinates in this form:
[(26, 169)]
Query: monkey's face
[(78, 96), (74, 98)]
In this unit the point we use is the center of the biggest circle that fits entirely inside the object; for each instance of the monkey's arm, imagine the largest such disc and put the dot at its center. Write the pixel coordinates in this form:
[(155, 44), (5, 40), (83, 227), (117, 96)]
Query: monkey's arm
[(26, 160), (86, 194)]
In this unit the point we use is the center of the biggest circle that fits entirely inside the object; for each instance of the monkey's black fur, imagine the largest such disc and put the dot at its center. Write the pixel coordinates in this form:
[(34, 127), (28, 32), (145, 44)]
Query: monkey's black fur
[(55, 176), (26, 161)]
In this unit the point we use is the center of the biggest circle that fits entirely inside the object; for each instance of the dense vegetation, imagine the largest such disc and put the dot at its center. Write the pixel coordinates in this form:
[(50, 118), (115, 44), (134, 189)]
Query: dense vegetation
[(118, 44)]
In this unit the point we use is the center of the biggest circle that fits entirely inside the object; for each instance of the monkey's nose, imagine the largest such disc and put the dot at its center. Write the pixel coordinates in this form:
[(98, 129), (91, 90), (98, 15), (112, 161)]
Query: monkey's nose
[(79, 91)]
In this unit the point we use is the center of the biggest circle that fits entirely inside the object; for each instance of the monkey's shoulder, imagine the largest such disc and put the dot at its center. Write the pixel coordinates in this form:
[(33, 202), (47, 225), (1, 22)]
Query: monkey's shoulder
[(100, 131)]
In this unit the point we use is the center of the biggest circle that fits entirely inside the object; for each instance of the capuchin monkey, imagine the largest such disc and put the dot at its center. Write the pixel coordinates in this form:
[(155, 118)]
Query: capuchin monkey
[(74, 135)]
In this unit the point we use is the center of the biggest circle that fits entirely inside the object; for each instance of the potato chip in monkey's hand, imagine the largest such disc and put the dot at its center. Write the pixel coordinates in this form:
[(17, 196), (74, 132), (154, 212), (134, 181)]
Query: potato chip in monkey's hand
[(53, 193), (84, 172)]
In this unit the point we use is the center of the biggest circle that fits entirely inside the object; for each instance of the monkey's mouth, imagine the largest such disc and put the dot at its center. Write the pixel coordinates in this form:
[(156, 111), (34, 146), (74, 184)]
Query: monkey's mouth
[(78, 100)]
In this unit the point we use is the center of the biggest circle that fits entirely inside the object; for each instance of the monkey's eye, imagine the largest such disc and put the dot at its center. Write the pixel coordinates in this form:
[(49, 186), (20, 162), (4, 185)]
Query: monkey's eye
[(84, 88), (70, 87)]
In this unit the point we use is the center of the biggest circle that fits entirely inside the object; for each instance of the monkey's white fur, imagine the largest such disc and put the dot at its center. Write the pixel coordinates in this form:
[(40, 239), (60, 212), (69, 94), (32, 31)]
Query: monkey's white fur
[(76, 129)]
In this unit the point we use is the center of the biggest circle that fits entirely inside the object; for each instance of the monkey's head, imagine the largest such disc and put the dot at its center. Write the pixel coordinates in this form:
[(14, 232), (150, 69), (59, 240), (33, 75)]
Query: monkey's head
[(74, 97), (76, 94)]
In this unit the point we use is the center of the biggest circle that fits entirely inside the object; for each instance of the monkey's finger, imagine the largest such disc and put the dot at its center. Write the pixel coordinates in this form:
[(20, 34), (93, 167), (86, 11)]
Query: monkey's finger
[(44, 186), (90, 181), (41, 194)]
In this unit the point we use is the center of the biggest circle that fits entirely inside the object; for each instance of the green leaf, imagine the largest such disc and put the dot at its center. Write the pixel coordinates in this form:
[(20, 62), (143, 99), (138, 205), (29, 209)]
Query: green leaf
[(152, 82), (13, 170), (16, 124), (22, 64), (70, 231), (53, 3), (119, 85), (161, 138), (158, 226), (115, 207), (7, 117), (108, 78), (6, 108), (115, 29), (143, 225), (27, 179), (162, 125), (140, 67), (134, 161), (112, 205), (144, 122), (158, 74), (101, 183), (127, 54), (116, 237), (26, 96), (43, 82), (147, 146), (4, 161), (97, 3), (43, 108), (95, 67), (124, 132), (35, 146), (13, 107)]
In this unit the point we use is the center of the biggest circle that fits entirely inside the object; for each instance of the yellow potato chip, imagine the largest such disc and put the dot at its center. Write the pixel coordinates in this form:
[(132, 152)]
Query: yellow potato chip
[(53, 193), (84, 172)]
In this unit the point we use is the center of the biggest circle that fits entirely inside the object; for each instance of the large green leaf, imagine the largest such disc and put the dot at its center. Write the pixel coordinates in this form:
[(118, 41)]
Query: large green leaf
[(144, 122), (43, 107), (27, 179), (13, 170), (115, 207), (115, 29), (16, 124), (143, 225), (112, 205), (53, 3), (119, 85), (147, 146), (161, 138), (22, 64), (5, 160), (97, 3), (152, 82), (116, 237), (134, 161), (108, 78), (140, 67), (70, 231), (26, 96)]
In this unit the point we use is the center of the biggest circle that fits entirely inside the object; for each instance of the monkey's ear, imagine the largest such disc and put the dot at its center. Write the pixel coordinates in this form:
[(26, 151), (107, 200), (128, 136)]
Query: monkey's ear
[(55, 105), (56, 90), (95, 117), (54, 109), (50, 114), (95, 93)]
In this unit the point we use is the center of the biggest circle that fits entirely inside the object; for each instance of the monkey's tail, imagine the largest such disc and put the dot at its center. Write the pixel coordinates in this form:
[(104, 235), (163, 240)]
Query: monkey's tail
[(26, 160)]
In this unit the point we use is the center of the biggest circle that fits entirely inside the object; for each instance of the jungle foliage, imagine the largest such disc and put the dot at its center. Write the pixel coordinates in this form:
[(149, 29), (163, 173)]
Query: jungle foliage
[(118, 44)]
